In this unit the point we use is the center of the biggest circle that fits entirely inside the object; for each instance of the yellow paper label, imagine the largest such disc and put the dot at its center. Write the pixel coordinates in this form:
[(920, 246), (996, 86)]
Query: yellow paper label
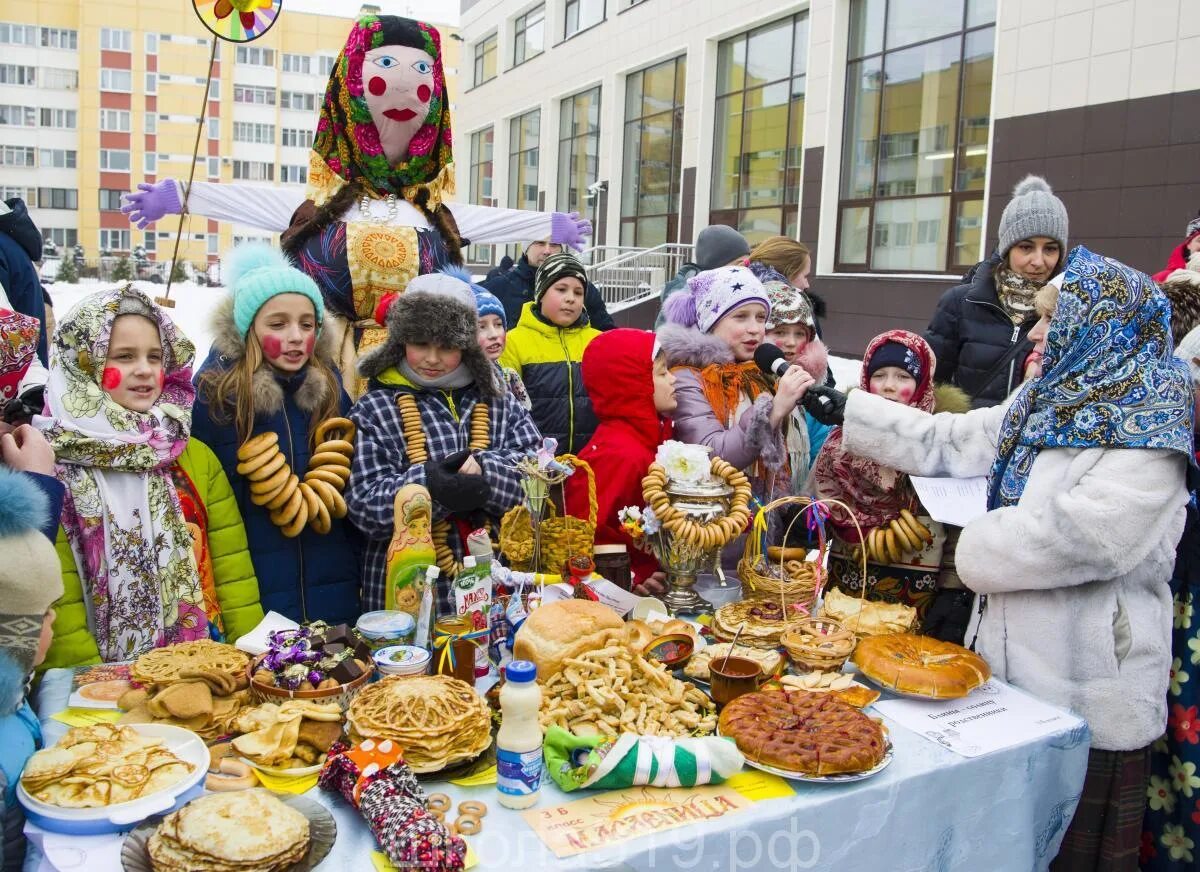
[(81, 717), (760, 785), (283, 784), (382, 864), (478, 779)]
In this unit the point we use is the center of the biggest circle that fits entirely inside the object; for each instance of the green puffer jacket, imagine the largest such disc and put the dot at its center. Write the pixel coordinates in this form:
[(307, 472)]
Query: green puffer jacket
[(237, 586)]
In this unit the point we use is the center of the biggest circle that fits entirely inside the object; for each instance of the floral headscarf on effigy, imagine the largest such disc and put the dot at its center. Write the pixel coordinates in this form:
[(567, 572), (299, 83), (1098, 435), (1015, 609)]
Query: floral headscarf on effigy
[(1109, 379), (122, 514), (347, 138)]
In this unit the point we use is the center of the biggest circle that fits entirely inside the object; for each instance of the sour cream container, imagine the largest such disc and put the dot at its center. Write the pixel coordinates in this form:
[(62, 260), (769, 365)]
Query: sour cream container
[(402, 660), (384, 628)]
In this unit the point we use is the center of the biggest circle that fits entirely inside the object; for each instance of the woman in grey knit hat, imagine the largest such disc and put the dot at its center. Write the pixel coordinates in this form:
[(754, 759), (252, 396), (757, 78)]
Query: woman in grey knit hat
[(979, 329)]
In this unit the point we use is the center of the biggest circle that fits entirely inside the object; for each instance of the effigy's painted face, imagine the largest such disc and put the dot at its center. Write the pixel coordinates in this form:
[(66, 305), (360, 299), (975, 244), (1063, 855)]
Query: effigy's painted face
[(397, 85)]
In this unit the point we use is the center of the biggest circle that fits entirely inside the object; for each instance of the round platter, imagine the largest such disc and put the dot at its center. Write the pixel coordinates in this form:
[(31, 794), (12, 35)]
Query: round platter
[(904, 693), (322, 828)]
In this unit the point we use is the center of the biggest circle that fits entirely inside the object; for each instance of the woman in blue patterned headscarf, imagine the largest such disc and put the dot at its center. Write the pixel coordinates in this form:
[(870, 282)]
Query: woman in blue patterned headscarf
[(1073, 559)]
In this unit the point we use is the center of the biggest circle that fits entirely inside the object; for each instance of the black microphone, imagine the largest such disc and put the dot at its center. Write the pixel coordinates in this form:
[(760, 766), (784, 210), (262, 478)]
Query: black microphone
[(770, 359)]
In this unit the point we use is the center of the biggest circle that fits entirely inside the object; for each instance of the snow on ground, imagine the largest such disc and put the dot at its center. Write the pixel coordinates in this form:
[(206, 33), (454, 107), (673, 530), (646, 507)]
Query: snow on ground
[(194, 305)]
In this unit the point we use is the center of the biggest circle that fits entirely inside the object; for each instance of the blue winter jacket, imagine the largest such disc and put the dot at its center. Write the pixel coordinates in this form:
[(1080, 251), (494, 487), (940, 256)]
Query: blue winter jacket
[(20, 246), (310, 577)]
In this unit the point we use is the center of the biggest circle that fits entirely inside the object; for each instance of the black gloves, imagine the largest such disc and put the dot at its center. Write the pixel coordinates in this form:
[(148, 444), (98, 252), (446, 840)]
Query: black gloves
[(825, 404), (20, 410), (458, 492)]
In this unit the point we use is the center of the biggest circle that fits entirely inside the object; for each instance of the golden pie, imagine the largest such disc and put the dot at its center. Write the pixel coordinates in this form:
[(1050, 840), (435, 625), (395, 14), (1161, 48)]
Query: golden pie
[(810, 733), (921, 665)]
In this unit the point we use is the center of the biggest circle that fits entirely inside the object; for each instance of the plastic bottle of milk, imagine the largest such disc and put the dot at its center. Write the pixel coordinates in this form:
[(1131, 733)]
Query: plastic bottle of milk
[(519, 741)]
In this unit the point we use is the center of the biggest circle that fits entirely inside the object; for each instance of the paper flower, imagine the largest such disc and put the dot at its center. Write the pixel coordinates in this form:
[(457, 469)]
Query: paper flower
[(650, 522), (683, 462)]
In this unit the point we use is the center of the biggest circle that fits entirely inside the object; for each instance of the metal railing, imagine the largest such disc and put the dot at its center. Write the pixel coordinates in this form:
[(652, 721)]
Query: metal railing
[(638, 274), (600, 254)]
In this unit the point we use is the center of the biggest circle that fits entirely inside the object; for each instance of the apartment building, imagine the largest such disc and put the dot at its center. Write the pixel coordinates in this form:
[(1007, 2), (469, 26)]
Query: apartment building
[(98, 97), (885, 134)]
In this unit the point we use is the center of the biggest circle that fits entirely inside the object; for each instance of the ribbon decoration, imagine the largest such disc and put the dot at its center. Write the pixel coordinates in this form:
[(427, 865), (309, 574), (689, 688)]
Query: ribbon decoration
[(445, 641)]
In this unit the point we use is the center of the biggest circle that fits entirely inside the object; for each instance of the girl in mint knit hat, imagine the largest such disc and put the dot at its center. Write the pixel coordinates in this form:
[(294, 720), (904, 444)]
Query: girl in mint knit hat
[(271, 370)]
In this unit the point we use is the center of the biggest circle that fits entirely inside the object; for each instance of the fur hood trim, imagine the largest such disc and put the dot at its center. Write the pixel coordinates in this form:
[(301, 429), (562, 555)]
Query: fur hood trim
[(951, 398), (420, 316), (687, 346), (266, 390)]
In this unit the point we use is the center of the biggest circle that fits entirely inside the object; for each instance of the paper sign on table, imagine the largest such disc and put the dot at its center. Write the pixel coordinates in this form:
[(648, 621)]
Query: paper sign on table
[(382, 864), (79, 717), (991, 717), (477, 779), (99, 686), (760, 785), (956, 501), (286, 784), (620, 815), (616, 598)]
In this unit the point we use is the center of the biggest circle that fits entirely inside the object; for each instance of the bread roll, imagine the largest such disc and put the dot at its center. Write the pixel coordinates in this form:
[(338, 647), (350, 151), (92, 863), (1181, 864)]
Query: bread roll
[(555, 631)]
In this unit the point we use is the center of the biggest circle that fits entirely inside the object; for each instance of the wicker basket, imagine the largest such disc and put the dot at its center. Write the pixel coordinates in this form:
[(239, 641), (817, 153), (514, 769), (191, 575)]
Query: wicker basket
[(561, 536), (818, 645), (793, 581), (342, 694)]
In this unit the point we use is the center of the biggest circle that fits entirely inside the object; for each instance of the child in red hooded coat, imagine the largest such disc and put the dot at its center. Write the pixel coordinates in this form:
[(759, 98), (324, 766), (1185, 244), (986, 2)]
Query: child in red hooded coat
[(631, 389)]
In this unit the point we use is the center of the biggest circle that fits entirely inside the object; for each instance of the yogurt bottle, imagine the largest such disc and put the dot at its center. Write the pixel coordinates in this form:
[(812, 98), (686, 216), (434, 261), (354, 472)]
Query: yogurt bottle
[(519, 740)]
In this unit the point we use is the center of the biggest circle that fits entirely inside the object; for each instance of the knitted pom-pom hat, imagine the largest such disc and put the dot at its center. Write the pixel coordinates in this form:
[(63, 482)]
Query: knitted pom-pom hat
[(256, 273), (1033, 211), (713, 294)]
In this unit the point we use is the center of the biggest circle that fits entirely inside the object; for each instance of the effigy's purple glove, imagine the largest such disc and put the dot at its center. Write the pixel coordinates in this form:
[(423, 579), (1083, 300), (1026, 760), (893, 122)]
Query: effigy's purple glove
[(151, 202), (567, 228)]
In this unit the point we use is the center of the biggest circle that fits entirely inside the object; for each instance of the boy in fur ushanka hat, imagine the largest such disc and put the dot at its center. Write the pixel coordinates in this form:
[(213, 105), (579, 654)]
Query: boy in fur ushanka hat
[(434, 415)]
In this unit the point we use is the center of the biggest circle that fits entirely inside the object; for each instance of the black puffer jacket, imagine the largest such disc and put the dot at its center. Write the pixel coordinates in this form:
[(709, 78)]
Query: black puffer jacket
[(978, 347)]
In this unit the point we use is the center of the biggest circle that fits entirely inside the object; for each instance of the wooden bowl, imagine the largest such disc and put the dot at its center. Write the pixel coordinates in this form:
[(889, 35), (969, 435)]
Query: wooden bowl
[(672, 650), (342, 694)]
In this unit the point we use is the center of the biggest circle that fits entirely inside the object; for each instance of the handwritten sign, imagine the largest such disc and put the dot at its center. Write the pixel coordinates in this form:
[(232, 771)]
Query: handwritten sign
[(991, 717), (956, 501), (621, 815)]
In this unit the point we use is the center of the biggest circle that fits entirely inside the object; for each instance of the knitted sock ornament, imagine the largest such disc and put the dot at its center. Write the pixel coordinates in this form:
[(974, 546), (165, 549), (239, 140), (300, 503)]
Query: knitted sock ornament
[(374, 778)]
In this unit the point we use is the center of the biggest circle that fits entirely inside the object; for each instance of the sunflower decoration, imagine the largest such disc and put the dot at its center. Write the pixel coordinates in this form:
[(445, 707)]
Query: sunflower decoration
[(238, 20)]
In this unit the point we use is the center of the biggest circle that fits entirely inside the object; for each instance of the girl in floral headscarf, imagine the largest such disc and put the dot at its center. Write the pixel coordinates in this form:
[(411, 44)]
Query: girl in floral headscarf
[(374, 214), (152, 545)]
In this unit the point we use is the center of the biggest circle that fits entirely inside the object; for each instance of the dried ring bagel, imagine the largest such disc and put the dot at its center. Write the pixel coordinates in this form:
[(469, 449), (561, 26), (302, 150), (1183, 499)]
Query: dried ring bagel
[(339, 445), (284, 516), (311, 500), (283, 494), (320, 520), (298, 523), (438, 802), (474, 808), (325, 474), (328, 458), (268, 485), (468, 824), (255, 445), (260, 462), (268, 498)]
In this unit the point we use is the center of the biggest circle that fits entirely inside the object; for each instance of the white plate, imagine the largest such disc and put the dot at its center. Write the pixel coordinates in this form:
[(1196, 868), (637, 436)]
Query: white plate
[(183, 743), (907, 694), (283, 773), (828, 779)]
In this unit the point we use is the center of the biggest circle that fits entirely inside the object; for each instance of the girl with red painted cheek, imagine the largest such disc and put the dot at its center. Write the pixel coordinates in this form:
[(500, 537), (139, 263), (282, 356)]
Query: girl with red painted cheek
[(271, 370), (899, 367), (152, 547)]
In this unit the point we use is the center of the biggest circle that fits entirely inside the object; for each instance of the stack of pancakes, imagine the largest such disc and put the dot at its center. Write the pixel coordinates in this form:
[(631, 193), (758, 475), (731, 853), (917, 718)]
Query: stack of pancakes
[(243, 831)]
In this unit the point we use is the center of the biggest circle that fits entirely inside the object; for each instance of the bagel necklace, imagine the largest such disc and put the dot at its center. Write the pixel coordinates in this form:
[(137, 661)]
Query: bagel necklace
[(414, 440), (294, 504)]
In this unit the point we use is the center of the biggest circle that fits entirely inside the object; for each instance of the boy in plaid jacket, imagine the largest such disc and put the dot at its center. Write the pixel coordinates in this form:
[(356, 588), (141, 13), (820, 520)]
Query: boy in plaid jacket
[(432, 353)]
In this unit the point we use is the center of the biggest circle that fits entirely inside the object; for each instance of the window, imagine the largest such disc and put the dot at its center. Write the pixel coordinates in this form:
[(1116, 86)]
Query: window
[(578, 149), (259, 57), (63, 237), (151, 43), (214, 128), (213, 244), (149, 242), (18, 34), (29, 195), (257, 96), (58, 198), (60, 79), (582, 14), (214, 167), (116, 80), (253, 171), (759, 135), (293, 174), (116, 40), (64, 119), (482, 142), (296, 138), (18, 116), (651, 179), (297, 100), (214, 89), (57, 37), (114, 119), (17, 74), (16, 156), (246, 131), (524, 133), (114, 160), (529, 40), (150, 163), (327, 62), (151, 83), (114, 241), (915, 145), (297, 63), (110, 200), (150, 124), (485, 60), (57, 158)]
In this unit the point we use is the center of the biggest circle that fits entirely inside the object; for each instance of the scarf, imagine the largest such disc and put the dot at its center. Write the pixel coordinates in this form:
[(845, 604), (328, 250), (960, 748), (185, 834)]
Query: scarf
[(1016, 293), (877, 493), (1109, 378), (347, 141), (459, 377), (725, 384), (121, 512)]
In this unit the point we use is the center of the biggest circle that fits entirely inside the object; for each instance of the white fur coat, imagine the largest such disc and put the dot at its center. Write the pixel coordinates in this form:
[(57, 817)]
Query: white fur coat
[(1076, 574)]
